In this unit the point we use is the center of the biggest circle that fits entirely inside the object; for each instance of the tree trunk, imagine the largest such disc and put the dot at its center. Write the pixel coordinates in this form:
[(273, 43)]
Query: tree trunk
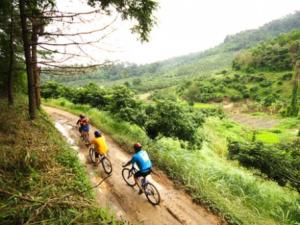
[(26, 45), (34, 40), (11, 60)]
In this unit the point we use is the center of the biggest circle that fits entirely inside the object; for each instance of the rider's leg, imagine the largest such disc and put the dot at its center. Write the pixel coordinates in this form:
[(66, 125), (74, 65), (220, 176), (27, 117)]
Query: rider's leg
[(137, 175), (80, 131), (96, 157)]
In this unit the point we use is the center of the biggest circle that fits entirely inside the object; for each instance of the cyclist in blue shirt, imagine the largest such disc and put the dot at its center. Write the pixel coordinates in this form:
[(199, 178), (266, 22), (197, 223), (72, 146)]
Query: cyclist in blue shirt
[(141, 158)]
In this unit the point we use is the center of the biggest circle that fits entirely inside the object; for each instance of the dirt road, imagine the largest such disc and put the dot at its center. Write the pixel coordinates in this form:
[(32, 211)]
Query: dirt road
[(254, 122), (175, 208)]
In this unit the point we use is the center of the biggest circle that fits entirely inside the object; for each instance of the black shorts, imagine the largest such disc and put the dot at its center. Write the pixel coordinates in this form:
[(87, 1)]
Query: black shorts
[(97, 154), (142, 174)]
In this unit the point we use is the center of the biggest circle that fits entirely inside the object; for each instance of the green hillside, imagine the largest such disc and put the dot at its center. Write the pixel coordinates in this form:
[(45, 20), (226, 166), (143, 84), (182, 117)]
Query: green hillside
[(262, 74), (173, 71)]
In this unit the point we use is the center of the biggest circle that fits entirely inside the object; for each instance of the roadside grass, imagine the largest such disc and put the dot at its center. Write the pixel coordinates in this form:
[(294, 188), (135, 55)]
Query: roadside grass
[(41, 178), (236, 193)]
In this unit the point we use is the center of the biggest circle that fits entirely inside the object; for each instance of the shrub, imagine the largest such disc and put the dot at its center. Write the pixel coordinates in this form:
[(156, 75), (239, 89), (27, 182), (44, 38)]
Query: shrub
[(279, 163)]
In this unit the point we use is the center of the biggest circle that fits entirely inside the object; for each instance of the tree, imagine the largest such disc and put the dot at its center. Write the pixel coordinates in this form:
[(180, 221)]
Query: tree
[(9, 45), (172, 119), (36, 14)]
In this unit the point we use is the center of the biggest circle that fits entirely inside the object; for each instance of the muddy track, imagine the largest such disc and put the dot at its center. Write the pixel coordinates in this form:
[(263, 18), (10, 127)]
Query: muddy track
[(176, 206)]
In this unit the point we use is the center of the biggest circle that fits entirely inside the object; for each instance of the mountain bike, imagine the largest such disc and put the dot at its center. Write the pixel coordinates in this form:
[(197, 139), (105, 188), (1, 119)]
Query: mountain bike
[(105, 162), (149, 189)]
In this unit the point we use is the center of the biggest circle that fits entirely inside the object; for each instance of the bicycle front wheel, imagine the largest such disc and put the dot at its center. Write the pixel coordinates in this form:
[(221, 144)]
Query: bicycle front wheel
[(128, 177), (152, 193), (106, 164), (92, 155)]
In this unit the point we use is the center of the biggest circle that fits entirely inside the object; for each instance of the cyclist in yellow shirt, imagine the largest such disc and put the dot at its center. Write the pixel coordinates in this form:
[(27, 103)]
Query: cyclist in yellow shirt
[(99, 144)]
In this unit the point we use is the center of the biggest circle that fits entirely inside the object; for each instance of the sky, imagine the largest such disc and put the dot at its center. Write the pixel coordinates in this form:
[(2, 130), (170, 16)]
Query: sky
[(185, 27)]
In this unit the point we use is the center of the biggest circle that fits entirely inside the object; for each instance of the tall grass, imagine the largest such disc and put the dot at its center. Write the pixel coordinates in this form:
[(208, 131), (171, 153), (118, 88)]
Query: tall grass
[(41, 178), (236, 193)]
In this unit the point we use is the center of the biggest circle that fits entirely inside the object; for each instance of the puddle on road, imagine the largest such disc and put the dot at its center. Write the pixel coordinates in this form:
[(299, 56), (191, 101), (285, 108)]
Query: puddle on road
[(70, 141), (64, 132)]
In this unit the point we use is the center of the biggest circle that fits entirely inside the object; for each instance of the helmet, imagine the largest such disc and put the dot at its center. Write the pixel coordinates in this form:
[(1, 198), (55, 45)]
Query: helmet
[(137, 147), (97, 133), (81, 116)]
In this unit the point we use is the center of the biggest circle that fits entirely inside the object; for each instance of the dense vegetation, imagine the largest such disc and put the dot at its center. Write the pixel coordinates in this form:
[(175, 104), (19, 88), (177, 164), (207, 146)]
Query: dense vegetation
[(173, 71), (41, 178), (267, 90), (280, 163), (274, 55), (163, 116), (12, 77)]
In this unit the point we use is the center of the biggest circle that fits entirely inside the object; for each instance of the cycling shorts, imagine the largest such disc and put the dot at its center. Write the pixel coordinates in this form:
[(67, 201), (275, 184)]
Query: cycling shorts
[(85, 128), (142, 173)]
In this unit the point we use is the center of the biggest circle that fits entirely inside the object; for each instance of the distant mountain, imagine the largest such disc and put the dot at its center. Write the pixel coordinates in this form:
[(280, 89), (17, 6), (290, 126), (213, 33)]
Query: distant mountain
[(172, 71)]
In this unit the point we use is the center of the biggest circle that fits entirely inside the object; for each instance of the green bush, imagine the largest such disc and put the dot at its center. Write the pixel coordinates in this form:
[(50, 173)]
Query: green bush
[(280, 163)]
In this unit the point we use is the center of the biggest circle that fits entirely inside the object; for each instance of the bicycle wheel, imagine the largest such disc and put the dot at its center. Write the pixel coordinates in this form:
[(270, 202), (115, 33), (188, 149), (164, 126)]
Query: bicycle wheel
[(106, 164), (152, 193), (128, 177), (92, 155)]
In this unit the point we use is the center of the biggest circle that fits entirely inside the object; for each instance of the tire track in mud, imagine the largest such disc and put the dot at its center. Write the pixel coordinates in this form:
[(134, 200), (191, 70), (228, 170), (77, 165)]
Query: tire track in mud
[(175, 208)]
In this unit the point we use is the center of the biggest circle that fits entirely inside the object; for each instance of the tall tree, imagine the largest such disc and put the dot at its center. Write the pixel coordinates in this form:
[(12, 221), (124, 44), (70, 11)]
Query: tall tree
[(36, 14), (28, 59), (11, 58), (9, 49)]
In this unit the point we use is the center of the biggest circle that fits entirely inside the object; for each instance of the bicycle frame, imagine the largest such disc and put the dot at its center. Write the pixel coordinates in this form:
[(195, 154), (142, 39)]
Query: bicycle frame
[(143, 179)]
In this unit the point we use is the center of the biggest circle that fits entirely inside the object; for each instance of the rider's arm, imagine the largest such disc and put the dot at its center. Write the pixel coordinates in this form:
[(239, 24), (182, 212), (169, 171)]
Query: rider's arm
[(78, 121), (132, 160), (127, 164), (92, 142)]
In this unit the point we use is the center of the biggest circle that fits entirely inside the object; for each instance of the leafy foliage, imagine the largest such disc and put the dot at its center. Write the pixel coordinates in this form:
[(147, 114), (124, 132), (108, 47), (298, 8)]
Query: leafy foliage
[(164, 116), (273, 55), (279, 163), (172, 119), (140, 10)]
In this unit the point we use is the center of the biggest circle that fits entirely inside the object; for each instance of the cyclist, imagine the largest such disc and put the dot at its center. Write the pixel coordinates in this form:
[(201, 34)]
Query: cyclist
[(99, 144), (83, 123), (141, 158)]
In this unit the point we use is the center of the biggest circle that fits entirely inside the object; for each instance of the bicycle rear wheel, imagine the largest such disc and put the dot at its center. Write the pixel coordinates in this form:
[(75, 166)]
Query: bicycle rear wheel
[(128, 177), (106, 164), (92, 155), (152, 193)]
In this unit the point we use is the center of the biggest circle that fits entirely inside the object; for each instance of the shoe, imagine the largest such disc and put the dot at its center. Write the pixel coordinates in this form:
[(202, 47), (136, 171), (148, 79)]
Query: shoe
[(140, 191)]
